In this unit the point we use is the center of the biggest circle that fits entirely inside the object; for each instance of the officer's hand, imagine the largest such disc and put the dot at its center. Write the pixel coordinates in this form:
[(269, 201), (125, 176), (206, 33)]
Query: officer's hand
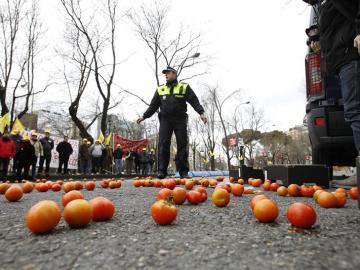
[(140, 120), (315, 46), (357, 43), (203, 118)]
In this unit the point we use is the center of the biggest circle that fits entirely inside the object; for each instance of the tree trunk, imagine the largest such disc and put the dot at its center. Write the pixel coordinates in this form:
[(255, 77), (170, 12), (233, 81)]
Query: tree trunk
[(73, 114), (104, 116), (212, 163), (4, 107)]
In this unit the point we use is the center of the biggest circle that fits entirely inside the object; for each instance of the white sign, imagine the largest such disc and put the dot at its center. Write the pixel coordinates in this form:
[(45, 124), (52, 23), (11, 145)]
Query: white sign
[(73, 159)]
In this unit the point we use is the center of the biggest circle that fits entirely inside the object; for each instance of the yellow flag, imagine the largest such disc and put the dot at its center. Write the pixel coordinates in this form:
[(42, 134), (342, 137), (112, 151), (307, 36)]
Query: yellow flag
[(17, 125), (4, 121), (108, 139), (101, 137)]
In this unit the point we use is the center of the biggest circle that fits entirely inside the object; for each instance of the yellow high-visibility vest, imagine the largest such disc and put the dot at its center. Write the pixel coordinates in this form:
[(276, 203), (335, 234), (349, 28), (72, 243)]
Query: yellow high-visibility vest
[(179, 90)]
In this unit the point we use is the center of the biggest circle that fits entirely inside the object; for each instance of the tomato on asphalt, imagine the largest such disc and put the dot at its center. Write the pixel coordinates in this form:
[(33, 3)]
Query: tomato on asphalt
[(102, 209), (301, 215), (78, 213), (43, 216), (163, 212)]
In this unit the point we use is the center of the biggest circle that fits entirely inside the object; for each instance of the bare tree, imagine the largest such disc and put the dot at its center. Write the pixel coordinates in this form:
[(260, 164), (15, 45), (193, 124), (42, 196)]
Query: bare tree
[(208, 132), (251, 123), (219, 102), (179, 50), (17, 63), (193, 134), (97, 40)]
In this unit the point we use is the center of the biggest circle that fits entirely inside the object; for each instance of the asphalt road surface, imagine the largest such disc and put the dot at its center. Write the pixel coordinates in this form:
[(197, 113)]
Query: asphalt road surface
[(203, 237)]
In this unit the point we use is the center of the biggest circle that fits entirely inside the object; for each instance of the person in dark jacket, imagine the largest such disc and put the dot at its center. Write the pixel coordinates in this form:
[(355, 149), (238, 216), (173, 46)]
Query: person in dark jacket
[(25, 157), (7, 151), (144, 162), (65, 150), (84, 157), (136, 155), (118, 155), (107, 159), (48, 146), (16, 137), (340, 47), (171, 98), (151, 161), (129, 162)]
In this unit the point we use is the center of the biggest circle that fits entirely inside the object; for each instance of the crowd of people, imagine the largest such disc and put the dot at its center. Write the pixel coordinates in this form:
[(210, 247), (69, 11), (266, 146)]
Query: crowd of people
[(29, 157)]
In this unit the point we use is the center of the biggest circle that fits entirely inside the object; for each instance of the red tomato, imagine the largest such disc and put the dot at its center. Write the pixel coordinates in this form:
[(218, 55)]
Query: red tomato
[(14, 193), (301, 215), (220, 197), (354, 193), (164, 194), (274, 186), (194, 197), (78, 185), (307, 191), (90, 185), (237, 189), (102, 209), (104, 183), (327, 200), (55, 187), (112, 184), (78, 213), (163, 212), (41, 187), (28, 187), (266, 211), (340, 199), (170, 184), (68, 187), (189, 184), (256, 199), (137, 183), (282, 191), (43, 217), (203, 192), (4, 187), (294, 190), (179, 195), (70, 196)]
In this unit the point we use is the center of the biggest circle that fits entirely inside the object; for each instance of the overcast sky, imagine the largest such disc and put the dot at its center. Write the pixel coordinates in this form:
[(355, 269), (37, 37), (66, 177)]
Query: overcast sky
[(256, 46)]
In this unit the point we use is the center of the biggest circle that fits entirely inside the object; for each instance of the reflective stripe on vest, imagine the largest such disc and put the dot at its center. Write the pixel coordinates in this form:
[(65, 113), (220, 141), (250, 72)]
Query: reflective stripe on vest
[(179, 89)]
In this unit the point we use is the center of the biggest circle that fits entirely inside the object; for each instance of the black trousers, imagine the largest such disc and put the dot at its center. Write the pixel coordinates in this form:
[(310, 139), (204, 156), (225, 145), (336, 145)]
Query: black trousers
[(4, 164), (63, 161), (96, 164), (20, 166), (47, 160), (167, 127)]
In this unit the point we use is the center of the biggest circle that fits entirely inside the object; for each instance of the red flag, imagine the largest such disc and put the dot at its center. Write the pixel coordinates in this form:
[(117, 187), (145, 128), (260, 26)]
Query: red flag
[(127, 144)]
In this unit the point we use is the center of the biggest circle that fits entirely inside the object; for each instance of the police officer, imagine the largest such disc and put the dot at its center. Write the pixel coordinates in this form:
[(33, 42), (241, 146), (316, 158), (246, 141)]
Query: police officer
[(171, 98)]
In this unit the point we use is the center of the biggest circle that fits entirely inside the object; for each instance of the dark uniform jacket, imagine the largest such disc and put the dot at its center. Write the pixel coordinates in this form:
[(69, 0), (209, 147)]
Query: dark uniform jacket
[(339, 25), (118, 153), (26, 153), (84, 152), (64, 149), (48, 145), (173, 107)]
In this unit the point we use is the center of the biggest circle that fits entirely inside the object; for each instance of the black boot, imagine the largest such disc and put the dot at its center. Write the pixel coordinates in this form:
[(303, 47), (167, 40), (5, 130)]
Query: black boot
[(162, 175), (185, 175)]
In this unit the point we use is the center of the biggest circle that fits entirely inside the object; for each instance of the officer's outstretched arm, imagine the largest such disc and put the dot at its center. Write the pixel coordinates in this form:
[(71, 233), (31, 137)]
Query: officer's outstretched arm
[(153, 107)]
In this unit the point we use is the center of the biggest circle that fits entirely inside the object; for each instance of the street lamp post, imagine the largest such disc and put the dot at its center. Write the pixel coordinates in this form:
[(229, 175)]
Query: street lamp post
[(195, 55)]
